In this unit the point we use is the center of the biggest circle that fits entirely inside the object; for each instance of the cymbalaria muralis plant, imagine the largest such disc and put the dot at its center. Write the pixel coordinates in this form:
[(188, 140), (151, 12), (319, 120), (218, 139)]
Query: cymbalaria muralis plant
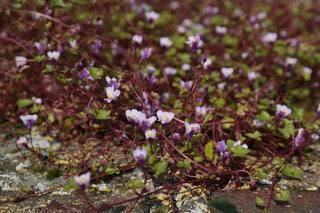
[(188, 94)]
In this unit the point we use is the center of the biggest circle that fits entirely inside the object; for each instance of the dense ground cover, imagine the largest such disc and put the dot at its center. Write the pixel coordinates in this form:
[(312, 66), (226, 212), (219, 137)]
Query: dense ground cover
[(188, 91)]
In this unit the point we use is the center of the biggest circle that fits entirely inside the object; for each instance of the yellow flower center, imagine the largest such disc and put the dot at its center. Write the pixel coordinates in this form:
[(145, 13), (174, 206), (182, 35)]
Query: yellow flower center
[(164, 118), (132, 116), (150, 134), (110, 96), (282, 110), (192, 40), (81, 179)]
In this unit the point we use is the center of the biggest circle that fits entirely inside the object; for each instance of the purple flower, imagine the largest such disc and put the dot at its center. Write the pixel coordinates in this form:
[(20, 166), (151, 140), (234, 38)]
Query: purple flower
[(112, 94), (191, 129), (252, 76), (299, 138), (227, 71), (96, 45), (283, 111), (28, 119), (146, 53), (40, 47), (20, 61), (53, 55), (318, 110), (257, 123), (150, 134), (85, 74), (83, 180), (112, 82), (176, 137), (136, 40), (186, 67), (165, 42), (164, 117), (195, 43), (270, 38), (201, 111), (222, 148), (186, 84), (146, 122), (152, 16), (170, 71), (290, 62), (207, 64), (140, 155), (22, 141), (133, 116)]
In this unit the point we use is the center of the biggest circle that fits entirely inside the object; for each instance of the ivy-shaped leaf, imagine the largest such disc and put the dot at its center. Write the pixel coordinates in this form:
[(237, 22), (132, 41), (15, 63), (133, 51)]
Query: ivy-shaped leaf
[(259, 201), (255, 135), (209, 150), (160, 167), (278, 162), (135, 184), (292, 172), (260, 174), (284, 196), (96, 73), (71, 184), (103, 114), (185, 164), (289, 129)]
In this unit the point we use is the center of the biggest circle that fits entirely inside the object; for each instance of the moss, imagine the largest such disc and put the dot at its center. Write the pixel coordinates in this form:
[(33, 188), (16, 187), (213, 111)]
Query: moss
[(53, 173)]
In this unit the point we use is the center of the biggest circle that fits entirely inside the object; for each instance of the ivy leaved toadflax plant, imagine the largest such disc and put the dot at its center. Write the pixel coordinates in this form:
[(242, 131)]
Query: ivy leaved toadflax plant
[(222, 148), (270, 38), (133, 116), (191, 129), (145, 122), (22, 141), (83, 180), (283, 111), (164, 117), (140, 155), (150, 135), (112, 94), (53, 55), (194, 43), (227, 71), (137, 40), (145, 53), (20, 61), (152, 16)]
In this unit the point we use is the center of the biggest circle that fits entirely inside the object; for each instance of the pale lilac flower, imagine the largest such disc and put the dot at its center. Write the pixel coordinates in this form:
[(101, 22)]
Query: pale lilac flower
[(315, 136), (257, 123), (29, 119), (152, 16), (98, 22), (194, 42), (133, 116), (187, 23), (140, 155), (306, 73), (40, 47), (221, 30), (207, 64), (290, 61), (73, 43), (164, 117), (222, 85), (318, 110), (20, 61), (186, 67), (22, 141), (209, 10), (201, 111), (146, 122), (37, 101), (165, 42), (222, 148), (170, 71), (53, 55), (299, 138), (244, 55), (270, 38), (181, 29), (96, 45), (145, 53), (283, 111), (176, 137), (186, 84), (191, 129), (136, 40), (112, 94), (252, 76), (227, 71), (85, 74), (83, 180), (112, 82), (150, 134)]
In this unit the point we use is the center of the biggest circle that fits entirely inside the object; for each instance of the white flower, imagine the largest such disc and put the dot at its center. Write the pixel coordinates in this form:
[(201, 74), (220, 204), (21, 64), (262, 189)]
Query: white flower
[(201, 111), (186, 84), (185, 67), (112, 94), (165, 42), (170, 71), (136, 40), (164, 117), (150, 134), (270, 37), (73, 43), (207, 64), (221, 30), (252, 76), (191, 129), (133, 115), (227, 71), (83, 180), (20, 61), (152, 16), (291, 61), (53, 55), (283, 111)]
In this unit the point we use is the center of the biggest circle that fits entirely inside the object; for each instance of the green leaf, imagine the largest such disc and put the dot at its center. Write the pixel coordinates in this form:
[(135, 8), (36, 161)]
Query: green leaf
[(289, 129), (198, 159), (103, 114), (24, 102), (152, 158), (57, 3), (239, 151), (160, 167), (110, 170), (284, 196), (255, 135), (227, 125), (259, 201), (260, 174), (96, 73), (278, 162), (185, 164), (135, 184), (48, 68), (71, 184), (209, 150), (219, 104), (265, 117), (223, 205), (292, 172)]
